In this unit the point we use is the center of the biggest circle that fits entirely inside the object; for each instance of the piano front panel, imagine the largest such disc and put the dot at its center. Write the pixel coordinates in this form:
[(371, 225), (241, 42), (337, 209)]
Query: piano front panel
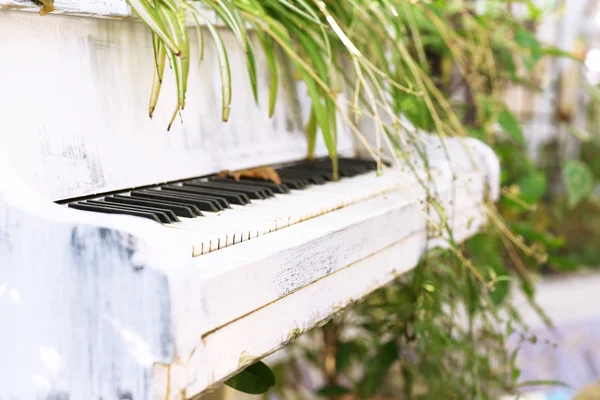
[(76, 120)]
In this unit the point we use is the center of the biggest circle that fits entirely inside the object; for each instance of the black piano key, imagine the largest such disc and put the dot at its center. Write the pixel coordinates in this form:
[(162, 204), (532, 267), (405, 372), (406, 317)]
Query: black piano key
[(227, 197), (369, 163), (162, 217), (108, 210), (276, 188), (219, 201), (165, 216), (313, 177), (252, 193), (204, 205), (347, 166), (306, 172), (216, 203), (297, 184), (195, 210), (179, 210), (264, 191), (165, 200)]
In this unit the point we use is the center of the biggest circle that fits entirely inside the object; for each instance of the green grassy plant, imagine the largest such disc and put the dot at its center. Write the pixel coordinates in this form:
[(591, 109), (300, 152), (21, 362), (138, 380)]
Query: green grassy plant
[(441, 332)]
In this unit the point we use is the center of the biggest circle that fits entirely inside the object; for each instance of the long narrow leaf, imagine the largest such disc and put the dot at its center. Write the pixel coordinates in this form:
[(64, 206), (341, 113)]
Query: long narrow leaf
[(251, 65), (268, 49), (160, 56), (149, 15), (234, 22), (223, 63), (311, 134)]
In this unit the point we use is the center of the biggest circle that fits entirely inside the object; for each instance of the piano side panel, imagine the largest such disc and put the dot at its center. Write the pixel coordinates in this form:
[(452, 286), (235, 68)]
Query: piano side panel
[(85, 310), (75, 109)]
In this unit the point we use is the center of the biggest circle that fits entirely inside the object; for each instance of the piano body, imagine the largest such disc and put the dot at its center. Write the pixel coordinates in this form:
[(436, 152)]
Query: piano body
[(109, 305)]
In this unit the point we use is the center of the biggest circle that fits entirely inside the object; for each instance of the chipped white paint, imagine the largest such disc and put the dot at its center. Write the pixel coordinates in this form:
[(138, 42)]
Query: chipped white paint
[(222, 352), (95, 8), (96, 306), (79, 95), (262, 271)]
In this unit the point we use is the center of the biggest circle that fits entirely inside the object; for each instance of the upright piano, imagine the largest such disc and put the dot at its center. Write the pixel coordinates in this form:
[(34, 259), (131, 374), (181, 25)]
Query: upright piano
[(129, 269)]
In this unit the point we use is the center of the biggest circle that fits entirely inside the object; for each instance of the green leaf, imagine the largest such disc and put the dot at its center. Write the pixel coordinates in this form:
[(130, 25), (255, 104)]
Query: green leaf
[(579, 181), (543, 383), (429, 287), (377, 368), (528, 41), (556, 52), (224, 69), (269, 50), (255, 379), (516, 373), (311, 133), (549, 240), (511, 125), (346, 351), (533, 186), (564, 263), (333, 390), (148, 14)]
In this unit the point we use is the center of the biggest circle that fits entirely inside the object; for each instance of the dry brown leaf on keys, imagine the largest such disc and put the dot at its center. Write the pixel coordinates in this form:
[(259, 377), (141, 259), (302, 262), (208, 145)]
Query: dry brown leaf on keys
[(264, 173), (47, 6)]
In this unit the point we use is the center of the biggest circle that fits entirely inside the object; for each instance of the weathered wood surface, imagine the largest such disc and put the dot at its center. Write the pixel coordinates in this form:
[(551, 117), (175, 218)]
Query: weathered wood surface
[(142, 308), (220, 353), (278, 265), (84, 309), (91, 8), (77, 90), (107, 306)]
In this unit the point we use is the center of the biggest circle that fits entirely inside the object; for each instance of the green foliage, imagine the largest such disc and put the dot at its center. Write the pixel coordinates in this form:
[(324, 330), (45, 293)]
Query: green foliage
[(333, 391), (376, 369), (579, 181), (255, 379), (509, 123), (442, 331)]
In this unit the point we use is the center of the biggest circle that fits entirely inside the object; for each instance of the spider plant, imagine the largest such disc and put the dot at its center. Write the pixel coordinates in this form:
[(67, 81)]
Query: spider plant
[(372, 48), (399, 61)]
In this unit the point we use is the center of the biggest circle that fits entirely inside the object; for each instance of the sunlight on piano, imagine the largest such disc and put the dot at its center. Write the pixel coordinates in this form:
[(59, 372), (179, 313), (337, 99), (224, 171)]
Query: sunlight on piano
[(141, 272)]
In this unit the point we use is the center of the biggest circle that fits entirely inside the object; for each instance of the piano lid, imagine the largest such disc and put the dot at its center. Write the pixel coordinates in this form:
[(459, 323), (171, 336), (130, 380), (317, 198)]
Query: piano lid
[(75, 109)]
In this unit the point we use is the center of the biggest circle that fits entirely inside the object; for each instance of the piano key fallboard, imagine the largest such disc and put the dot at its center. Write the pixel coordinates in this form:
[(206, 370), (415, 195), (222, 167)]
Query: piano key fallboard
[(214, 212)]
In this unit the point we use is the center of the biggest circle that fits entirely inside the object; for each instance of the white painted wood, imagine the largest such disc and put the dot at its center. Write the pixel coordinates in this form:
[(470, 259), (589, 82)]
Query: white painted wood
[(84, 307), (96, 8), (285, 270), (224, 351), (79, 96), (112, 307), (265, 269)]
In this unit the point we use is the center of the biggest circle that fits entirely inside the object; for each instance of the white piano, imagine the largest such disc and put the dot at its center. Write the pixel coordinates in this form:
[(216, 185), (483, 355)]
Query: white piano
[(127, 270)]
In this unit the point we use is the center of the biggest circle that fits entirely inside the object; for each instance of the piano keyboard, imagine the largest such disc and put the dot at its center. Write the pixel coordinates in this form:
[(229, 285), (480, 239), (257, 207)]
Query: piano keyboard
[(213, 212)]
